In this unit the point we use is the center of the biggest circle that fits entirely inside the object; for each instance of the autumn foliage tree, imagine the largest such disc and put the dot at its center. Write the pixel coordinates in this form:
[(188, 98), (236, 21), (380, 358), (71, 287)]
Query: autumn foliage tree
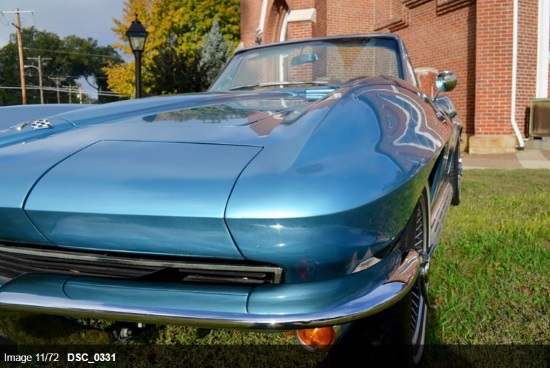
[(184, 39)]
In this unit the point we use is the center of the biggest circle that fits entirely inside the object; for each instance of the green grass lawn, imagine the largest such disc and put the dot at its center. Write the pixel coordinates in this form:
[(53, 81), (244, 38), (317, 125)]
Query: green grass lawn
[(489, 283), (490, 275)]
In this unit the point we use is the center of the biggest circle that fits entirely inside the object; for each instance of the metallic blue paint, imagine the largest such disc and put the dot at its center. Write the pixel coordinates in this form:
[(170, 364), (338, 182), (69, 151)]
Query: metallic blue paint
[(112, 203), (292, 306), (13, 115), (316, 186)]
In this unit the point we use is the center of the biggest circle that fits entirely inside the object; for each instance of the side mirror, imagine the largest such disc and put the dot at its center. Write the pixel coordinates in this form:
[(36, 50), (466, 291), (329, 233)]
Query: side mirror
[(445, 82)]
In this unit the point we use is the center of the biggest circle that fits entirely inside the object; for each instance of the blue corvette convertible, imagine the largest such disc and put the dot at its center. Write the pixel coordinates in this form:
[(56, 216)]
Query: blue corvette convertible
[(305, 191)]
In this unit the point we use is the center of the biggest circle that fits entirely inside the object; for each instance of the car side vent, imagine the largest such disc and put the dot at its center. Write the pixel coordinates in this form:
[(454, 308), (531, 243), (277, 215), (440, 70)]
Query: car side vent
[(239, 277), (16, 260)]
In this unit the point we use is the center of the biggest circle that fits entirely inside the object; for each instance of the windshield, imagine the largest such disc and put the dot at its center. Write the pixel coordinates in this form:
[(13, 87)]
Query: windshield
[(314, 63)]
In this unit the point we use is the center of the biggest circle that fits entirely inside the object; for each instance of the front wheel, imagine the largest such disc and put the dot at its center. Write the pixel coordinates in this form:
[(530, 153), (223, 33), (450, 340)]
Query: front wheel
[(419, 305), (409, 316), (394, 337)]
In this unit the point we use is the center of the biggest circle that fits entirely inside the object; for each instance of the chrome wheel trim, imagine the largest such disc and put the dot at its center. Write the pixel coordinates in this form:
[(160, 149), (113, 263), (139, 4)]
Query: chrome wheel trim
[(418, 302), (459, 174)]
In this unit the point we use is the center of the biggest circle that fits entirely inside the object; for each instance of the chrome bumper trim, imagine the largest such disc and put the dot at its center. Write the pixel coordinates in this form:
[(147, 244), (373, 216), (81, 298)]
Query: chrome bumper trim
[(398, 284)]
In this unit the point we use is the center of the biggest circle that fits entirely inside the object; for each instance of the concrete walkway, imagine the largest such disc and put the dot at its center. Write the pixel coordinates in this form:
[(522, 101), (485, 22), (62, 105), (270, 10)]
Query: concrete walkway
[(529, 158)]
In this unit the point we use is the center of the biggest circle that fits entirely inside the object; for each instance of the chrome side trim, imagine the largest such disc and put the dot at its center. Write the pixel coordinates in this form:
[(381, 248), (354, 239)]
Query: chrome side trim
[(366, 264), (14, 297), (439, 212)]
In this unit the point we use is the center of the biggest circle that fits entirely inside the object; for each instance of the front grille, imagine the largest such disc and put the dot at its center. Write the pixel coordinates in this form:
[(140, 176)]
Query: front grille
[(16, 260)]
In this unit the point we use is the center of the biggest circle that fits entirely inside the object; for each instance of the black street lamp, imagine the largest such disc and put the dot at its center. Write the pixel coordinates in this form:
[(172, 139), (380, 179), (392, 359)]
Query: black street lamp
[(137, 35)]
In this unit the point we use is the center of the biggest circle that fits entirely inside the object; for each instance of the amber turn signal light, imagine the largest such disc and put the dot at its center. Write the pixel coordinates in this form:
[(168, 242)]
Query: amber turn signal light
[(318, 339)]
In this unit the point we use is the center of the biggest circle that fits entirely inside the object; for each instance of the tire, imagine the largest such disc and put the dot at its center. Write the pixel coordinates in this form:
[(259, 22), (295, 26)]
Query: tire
[(456, 175), (394, 337)]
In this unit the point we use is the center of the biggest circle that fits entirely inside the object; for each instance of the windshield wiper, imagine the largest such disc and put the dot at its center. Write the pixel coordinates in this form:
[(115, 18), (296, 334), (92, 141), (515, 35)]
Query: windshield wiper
[(274, 84)]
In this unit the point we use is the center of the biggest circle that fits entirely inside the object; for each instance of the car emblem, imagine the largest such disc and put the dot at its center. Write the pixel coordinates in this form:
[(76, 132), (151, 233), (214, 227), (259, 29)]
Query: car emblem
[(35, 125), (41, 124)]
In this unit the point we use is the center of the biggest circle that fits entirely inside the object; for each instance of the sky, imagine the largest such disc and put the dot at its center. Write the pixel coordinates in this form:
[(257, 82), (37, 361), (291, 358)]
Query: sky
[(83, 18)]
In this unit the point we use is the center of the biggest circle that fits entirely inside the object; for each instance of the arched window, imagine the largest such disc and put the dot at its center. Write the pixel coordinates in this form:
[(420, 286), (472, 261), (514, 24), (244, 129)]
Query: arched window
[(274, 22)]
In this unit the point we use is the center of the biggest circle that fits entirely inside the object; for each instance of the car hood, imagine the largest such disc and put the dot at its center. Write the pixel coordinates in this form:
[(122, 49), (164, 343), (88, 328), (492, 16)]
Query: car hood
[(136, 119), (141, 196), (115, 177)]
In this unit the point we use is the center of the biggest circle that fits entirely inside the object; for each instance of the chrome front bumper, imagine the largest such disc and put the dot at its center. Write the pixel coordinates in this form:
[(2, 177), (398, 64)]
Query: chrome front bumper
[(48, 294)]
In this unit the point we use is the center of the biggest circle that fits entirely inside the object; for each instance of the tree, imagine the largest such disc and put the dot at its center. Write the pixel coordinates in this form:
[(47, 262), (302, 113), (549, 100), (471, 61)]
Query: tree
[(172, 57), (9, 75), (63, 61), (120, 77), (214, 51), (85, 58)]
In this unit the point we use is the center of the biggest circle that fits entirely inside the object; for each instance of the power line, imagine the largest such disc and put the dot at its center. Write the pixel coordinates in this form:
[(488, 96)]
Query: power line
[(71, 53), (64, 89)]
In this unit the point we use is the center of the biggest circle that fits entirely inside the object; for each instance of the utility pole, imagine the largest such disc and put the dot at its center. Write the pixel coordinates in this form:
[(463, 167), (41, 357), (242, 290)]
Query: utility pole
[(79, 95), (57, 80), (20, 48), (39, 68)]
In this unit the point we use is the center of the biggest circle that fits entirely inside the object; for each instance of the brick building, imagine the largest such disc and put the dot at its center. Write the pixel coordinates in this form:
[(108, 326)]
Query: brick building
[(498, 49)]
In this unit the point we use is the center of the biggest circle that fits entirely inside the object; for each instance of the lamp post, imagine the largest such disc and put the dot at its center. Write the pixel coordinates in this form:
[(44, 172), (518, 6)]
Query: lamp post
[(137, 35)]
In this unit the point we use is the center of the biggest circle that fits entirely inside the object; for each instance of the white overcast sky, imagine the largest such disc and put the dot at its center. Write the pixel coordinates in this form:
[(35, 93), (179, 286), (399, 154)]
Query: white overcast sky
[(83, 18)]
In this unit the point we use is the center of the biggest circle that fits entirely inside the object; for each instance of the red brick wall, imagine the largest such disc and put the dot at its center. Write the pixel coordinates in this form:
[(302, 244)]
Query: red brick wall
[(494, 67), (473, 38), (250, 20), (440, 38), (494, 62), (250, 15), (306, 29), (298, 30), (349, 17), (389, 15), (301, 4), (320, 26)]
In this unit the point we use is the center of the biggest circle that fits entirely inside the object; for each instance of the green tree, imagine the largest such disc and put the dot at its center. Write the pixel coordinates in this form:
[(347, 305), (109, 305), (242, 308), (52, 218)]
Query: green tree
[(63, 61), (172, 57), (9, 76), (214, 52), (86, 59)]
